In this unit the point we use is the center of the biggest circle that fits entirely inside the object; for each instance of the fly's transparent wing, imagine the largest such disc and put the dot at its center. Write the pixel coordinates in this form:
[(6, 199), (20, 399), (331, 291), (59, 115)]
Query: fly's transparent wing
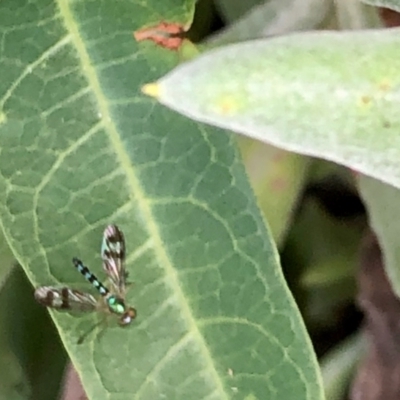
[(65, 299), (113, 255)]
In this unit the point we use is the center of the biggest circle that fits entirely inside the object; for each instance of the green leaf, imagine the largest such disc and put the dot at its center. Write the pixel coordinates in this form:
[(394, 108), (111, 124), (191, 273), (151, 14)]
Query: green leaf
[(383, 204), (329, 247), (321, 253), (299, 93), (352, 14), (392, 4), (14, 383), (81, 148), (32, 359)]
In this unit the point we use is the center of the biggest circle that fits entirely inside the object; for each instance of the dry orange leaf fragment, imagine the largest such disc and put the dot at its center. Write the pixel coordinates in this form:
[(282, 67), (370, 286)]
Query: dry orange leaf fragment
[(166, 34)]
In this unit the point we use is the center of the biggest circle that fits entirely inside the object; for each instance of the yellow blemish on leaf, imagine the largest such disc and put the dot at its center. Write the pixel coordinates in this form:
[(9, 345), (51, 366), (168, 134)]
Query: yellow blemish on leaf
[(250, 397), (227, 105), (365, 102), (3, 118), (152, 90)]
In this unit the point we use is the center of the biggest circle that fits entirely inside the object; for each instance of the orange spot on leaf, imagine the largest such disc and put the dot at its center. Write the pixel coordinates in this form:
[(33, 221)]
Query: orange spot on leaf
[(165, 34)]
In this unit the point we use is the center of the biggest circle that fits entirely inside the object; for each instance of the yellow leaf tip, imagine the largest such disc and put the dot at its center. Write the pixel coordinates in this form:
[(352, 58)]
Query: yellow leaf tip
[(152, 89)]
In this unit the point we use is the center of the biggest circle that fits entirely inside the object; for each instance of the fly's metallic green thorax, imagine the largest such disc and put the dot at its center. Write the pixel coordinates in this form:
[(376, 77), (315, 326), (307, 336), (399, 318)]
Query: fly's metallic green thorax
[(115, 304), (113, 255)]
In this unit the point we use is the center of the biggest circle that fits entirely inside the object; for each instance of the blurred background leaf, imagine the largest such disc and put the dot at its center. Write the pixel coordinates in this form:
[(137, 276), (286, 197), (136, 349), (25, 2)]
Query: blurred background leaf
[(392, 4), (272, 98), (383, 203), (33, 358), (339, 364), (271, 18)]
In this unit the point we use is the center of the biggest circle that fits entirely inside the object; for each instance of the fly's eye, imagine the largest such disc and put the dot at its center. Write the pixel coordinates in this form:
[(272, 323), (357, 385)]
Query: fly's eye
[(125, 320), (128, 316)]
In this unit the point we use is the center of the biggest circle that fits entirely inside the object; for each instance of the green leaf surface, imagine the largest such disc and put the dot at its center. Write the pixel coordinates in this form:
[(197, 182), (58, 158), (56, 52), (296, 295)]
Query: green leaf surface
[(383, 205), (353, 14), (325, 94), (81, 148), (392, 4)]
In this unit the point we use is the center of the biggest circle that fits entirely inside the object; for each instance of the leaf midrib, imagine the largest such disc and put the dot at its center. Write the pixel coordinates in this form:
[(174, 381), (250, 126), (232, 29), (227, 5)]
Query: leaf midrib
[(133, 182)]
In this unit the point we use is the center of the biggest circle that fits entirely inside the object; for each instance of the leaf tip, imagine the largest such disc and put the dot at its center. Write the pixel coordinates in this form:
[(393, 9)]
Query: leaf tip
[(152, 89)]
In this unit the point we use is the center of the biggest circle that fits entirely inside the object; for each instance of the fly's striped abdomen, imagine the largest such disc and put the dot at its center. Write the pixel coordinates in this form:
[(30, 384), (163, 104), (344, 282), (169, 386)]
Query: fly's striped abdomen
[(89, 276)]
